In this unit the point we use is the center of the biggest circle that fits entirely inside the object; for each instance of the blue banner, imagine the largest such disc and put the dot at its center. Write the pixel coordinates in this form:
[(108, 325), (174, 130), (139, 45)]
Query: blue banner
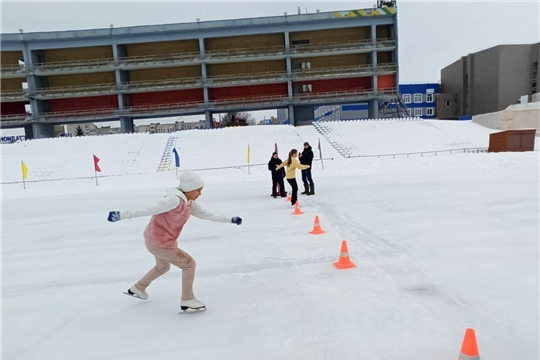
[(176, 157)]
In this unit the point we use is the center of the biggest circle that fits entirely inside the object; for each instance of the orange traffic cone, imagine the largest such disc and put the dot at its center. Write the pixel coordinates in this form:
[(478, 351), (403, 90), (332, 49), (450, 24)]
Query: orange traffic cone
[(317, 230), (469, 348), (344, 260), (289, 198), (297, 210)]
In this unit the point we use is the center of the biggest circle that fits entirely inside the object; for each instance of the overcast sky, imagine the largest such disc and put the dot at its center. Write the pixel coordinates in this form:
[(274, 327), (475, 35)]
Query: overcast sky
[(432, 34)]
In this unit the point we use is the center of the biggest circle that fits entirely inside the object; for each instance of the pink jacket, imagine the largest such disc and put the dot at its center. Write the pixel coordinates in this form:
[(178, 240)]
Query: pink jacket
[(169, 217)]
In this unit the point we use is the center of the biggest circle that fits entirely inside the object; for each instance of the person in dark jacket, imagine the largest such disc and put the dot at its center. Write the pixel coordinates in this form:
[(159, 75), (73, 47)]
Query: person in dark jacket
[(277, 176), (306, 158)]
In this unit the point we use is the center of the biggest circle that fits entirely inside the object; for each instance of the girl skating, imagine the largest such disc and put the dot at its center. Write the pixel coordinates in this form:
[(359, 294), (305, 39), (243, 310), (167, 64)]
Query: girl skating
[(292, 164), (168, 219)]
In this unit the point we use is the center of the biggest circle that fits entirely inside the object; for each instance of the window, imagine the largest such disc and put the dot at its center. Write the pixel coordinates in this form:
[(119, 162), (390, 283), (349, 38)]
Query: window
[(406, 98), (430, 111), (429, 98), (418, 112), (306, 88), (417, 98), (447, 103)]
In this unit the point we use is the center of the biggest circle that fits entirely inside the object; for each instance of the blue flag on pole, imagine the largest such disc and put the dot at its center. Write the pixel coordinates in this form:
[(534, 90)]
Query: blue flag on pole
[(176, 157)]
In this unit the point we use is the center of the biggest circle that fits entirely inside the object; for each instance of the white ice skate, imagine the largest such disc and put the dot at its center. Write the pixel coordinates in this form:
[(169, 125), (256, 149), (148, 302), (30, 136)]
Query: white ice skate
[(136, 293), (192, 304)]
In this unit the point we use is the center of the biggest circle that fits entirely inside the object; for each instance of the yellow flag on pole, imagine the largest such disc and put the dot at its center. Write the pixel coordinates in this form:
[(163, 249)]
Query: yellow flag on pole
[(249, 153), (24, 170)]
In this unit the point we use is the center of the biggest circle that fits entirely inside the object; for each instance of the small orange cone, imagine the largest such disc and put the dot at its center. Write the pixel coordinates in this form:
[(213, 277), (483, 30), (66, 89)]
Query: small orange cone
[(297, 210), (469, 348), (289, 198), (317, 230), (344, 260)]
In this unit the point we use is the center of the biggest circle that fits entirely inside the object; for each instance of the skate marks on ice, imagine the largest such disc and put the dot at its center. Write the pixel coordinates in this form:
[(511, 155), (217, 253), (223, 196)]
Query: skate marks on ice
[(393, 260)]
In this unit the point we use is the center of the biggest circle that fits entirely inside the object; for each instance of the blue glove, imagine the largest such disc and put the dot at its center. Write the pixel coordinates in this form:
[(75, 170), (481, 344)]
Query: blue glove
[(236, 220), (113, 216)]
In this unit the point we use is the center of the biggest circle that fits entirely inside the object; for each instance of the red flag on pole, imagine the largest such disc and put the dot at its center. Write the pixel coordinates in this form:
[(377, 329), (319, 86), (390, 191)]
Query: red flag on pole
[(96, 166)]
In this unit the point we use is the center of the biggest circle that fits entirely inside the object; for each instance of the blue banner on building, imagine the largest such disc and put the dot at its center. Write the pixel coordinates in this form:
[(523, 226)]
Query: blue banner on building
[(12, 139)]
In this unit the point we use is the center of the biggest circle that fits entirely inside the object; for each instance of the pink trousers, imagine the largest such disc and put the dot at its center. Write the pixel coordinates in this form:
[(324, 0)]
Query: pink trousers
[(164, 258)]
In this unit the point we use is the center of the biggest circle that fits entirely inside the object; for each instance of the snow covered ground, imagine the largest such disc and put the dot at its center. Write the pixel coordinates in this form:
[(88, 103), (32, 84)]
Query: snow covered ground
[(441, 243)]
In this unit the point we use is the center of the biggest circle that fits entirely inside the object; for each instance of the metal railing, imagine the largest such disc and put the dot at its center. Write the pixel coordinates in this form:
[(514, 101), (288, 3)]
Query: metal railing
[(92, 113), (13, 94), (165, 58), (12, 119), (94, 88), (142, 109), (138, 174), (74, 64), (262, 76), (345, 93), (12, 70), (197, 81), (111, 63), (148, 84), (345, 70), (267, 99), (421, 153), (276, 99)]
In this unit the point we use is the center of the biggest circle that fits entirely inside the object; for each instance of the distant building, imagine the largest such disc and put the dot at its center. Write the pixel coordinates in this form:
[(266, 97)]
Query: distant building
[(90, 129), (154, 128), (157, 128), (488, 81), (419, 99)]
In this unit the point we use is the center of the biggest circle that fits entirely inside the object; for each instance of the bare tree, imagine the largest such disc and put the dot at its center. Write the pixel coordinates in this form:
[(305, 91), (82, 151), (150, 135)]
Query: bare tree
[(237, 119)]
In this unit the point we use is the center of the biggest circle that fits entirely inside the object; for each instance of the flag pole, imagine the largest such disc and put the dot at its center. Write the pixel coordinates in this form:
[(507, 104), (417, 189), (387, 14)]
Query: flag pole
[(95, 170), (22, 169), (320, 154), (249, 160), (176, 167)]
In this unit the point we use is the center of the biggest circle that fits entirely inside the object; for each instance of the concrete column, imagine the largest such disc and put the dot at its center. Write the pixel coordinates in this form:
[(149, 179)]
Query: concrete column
[(204, 77), (374, 78), (208, 123), (396, 52), (122, 76), (126, 125), (29, 132), (289, 66), (42, 131), (291, 115), (373, 109), (36, 106)]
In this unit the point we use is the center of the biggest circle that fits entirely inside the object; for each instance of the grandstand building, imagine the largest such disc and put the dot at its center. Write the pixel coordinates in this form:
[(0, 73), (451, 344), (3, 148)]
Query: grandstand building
[(292, 62)]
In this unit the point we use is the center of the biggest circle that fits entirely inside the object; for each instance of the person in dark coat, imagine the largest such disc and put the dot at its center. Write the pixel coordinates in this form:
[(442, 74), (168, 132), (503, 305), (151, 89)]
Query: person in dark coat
[(306, 158), (277, 176)]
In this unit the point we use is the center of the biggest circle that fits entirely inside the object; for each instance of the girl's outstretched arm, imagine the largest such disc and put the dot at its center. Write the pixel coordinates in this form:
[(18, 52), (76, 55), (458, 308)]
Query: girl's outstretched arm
[(201, 213), (168, 203)]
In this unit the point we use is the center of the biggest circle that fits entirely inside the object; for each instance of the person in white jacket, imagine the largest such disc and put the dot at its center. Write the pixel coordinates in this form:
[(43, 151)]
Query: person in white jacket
[(168, 219)]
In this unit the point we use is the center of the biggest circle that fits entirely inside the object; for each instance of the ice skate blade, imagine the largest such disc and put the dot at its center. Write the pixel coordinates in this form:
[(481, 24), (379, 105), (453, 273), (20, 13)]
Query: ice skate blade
[(133, 296), (189, 310)]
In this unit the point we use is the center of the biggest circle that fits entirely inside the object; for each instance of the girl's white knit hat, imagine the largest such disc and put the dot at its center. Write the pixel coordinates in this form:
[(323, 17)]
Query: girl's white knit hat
[(190, 181)]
